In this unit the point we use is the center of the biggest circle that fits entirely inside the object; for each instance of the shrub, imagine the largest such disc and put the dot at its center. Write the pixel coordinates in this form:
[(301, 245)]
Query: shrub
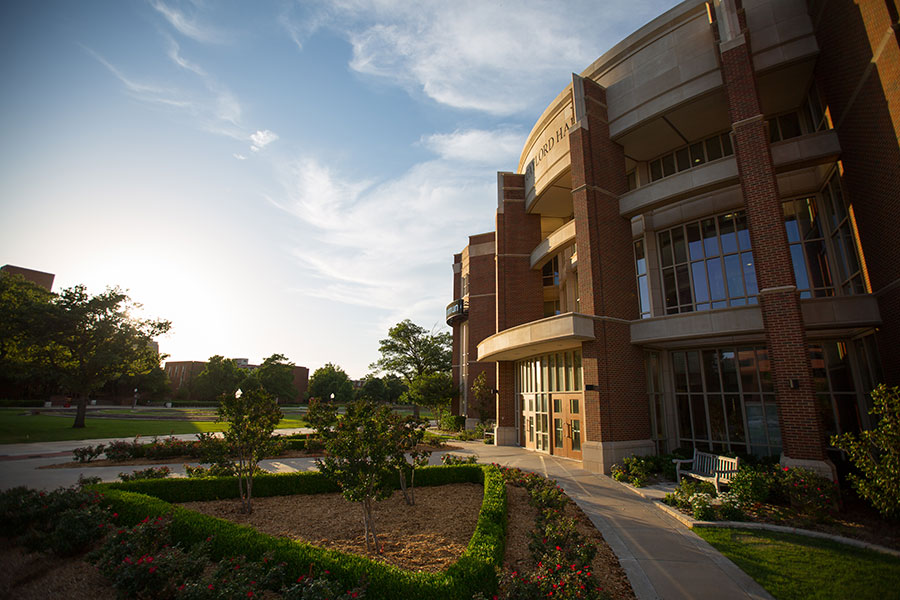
[(809, 492), (433, 439), (701, 507), (754, 484), (87, 453), (216, 470), (877, 453), (148, 473), (120, 450), (688, 487), (451, 422), (168, 448), (453, 459), (730, 507)]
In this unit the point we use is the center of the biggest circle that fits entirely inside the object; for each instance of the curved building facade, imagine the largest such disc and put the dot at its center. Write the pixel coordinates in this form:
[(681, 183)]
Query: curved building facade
[(698, 247)]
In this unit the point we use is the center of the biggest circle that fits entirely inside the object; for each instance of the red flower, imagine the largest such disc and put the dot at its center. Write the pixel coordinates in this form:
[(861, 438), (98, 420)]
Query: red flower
[(250, 594), (209, 587), (152, 569)]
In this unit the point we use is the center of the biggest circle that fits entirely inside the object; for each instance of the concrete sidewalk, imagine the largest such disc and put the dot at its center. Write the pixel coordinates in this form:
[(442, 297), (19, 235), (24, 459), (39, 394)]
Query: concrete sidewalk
[(662, 558)]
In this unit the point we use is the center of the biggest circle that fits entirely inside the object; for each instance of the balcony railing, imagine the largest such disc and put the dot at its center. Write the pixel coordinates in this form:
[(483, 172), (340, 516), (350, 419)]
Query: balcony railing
[(457, 311)]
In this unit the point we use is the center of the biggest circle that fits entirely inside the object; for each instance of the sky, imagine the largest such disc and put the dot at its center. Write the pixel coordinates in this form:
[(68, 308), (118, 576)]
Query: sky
[(275, 176)]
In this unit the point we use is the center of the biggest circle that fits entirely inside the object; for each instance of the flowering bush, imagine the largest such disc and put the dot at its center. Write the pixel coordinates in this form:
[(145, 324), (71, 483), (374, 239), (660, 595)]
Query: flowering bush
[(120, 450), (809, 492), (755, 484), (87, 453), (216, 470), (730, 507), (681, 497), (169, 447), (701, 507), (148, 473), (453, 459)]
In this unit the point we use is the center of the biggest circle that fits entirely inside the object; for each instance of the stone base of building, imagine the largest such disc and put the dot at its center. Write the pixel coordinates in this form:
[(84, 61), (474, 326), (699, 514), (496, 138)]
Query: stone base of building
[(825, 468), (598, 457), (506, 436)]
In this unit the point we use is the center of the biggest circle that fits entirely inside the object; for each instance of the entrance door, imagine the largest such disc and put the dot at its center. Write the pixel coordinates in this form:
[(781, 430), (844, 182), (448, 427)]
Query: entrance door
[(567, 429)]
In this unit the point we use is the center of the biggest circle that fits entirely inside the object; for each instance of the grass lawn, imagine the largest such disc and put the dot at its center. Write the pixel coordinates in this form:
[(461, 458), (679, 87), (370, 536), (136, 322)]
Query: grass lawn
[(798, 567), (17, 426)]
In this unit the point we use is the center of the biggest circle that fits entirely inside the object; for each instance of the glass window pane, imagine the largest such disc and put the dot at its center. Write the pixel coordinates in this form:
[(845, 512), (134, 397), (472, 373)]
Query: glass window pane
[(668, 165), (749, 268), (838, 365), (576, 435), (773, 130), (698, 412), (710, 237), (765, 370), (679, 245), (756, 420), (789, 125), (791, 224), (679, 365), (727, 233), (695, 378), (655, 170), (701, 292), (716, 418), (727, 149), (683, 159), (747, 362), (826, 410), (684, 287), (799, 264), (697, 156), (743, 232), (665, 248), (711, 370), (772, 427), (716, 279), (734, 274), (640, 260), (558, 433), (645, 295), (713, 148), (735, 417), (684, 417), (574, 406), (729, 371), (576, 356), (670, 291), (695, 241)]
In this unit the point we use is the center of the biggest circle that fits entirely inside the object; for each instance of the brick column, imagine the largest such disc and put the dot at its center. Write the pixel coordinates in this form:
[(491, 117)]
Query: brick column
[(520, 297), (801, 428), (482, 317), (617, 417)]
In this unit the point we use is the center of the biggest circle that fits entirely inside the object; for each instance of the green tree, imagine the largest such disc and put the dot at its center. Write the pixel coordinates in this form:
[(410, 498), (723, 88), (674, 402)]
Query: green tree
[(359, 450), (276, 376), (24, 332), (95, 339), (411, 350), (372, 389), (221, 376), (394, 388), (483, 397), (876, 453), (407, 434), (331, 379), (433, 390), (251, 417)]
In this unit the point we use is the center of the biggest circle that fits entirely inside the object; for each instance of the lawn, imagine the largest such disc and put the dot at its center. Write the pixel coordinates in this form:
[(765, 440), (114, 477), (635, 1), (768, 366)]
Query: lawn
[(17, 426), (797, 567)]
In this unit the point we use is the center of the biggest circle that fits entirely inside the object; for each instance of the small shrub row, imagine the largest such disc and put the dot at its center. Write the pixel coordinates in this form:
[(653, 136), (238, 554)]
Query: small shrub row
[(639, 470), (562, 555), (207, 448), (148, 473), (475, 571), (453, 459)]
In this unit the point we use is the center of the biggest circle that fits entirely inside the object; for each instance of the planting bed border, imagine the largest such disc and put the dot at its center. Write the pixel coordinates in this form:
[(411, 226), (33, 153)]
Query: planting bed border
[(475, 571)]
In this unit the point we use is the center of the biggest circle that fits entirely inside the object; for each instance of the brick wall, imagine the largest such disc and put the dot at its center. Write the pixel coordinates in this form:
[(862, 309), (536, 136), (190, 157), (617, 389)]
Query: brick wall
[(482, 313), (619, 411), (801, 428), (858, 73)]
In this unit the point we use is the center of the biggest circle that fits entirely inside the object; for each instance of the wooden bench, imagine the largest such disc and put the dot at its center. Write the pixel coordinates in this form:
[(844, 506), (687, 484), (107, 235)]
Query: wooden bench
[(708, 467)]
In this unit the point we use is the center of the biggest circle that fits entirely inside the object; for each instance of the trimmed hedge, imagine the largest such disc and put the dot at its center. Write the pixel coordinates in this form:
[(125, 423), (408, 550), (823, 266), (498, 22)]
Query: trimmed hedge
[(474, 572)]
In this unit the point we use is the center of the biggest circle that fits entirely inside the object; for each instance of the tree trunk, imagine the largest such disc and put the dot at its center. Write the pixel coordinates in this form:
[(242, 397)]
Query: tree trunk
[(80, 412), (416, 410), (403, 484)]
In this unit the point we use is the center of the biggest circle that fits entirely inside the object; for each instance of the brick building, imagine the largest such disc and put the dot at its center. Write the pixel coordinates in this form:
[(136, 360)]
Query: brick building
[(699, 245)]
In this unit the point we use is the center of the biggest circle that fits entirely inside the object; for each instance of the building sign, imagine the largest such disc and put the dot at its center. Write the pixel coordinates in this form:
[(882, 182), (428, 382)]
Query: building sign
[(456, 310), (549, 151)]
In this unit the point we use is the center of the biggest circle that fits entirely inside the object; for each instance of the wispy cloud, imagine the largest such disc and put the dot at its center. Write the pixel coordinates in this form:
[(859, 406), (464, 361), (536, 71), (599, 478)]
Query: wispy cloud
[(187, 26), (239, 156), (388, 245), (477, 145), (477, 55), (261, 139)]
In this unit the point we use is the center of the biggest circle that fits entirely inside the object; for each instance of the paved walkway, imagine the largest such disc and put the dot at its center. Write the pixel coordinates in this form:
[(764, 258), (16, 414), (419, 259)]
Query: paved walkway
[(662, 558)]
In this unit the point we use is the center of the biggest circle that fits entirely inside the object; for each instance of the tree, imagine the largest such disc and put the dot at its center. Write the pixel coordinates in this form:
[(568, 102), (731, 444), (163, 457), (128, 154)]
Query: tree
[(92, 340), (433, 390), (372, 389), (410, 350), (24, 310), (407, 434), (394, 388), (359, 452), (483, 397), (221, 376), (251, 418), (331, 379), (876, 453), (276, 376)]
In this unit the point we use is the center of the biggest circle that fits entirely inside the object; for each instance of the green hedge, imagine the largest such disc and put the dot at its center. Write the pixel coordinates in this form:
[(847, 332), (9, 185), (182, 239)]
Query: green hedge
[(475, 571)]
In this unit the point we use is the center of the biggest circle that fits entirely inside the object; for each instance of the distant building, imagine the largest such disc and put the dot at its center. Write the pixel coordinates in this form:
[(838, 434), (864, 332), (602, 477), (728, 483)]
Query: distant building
[(45, 280), (699, 245)]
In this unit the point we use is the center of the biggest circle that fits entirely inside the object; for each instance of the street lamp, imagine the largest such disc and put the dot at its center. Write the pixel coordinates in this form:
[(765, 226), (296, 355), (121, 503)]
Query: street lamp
[(332, 397)]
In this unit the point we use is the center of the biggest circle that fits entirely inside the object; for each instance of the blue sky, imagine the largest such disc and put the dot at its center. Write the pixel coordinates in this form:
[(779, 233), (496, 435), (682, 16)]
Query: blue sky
[(287, 177)]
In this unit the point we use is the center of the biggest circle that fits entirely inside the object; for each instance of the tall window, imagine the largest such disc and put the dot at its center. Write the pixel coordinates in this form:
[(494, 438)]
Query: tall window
[(806, 237), (725, 400), (692, 155), (836, 388), (708, 264), (640, 267), (839, 216), (657, 403)]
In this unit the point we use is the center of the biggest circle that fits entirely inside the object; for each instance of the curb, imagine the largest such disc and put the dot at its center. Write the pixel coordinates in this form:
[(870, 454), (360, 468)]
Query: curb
[(691, 523)]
